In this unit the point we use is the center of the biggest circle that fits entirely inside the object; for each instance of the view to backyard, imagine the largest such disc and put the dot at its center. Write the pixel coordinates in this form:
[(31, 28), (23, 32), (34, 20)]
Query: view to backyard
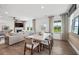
[(57, 26)]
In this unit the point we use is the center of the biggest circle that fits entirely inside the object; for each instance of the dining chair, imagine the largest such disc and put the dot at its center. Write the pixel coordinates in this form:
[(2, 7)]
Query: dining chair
[(31, 45), (47, 43)]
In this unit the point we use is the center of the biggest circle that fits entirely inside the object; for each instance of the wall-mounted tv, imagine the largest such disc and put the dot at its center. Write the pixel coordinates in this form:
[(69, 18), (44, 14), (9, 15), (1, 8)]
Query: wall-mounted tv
[(19, 25)]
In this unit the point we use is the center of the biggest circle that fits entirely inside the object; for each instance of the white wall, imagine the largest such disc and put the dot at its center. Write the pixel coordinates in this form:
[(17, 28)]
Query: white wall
[(8, 21), (42, 21), (77, 5)]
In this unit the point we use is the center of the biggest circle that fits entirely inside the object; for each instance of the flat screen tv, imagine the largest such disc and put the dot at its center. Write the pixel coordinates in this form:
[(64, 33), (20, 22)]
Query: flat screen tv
[(18, 24)]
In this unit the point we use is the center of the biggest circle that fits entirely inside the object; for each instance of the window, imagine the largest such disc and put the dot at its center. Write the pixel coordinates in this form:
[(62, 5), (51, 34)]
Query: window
[(57, 26), (75, 25), (29, 28)]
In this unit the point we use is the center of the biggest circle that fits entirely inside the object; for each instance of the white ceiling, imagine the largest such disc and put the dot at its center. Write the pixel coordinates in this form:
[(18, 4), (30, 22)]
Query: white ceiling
[(33, 10)]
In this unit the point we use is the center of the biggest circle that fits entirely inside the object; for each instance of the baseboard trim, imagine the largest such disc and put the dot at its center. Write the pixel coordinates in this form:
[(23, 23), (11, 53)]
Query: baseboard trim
[(76, 50)]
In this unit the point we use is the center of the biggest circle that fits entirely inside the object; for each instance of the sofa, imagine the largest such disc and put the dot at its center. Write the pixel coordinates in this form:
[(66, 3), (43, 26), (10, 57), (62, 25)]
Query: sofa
[(16, 37), (2, 35)]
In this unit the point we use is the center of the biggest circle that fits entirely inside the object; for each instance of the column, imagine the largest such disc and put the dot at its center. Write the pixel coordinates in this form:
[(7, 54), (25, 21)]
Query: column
[(34, 25), (50, 23)]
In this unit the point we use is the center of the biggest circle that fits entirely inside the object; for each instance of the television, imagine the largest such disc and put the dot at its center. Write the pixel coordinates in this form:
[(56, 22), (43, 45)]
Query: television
[(19, 25)]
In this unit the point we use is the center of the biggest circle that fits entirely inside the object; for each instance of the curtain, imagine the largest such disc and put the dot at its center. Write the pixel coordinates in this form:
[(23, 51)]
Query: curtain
[(50, 23), (64, 26)]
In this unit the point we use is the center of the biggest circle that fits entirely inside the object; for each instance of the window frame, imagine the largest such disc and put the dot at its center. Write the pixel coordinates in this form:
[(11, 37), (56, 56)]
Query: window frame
[(73, 25), (57, 21)]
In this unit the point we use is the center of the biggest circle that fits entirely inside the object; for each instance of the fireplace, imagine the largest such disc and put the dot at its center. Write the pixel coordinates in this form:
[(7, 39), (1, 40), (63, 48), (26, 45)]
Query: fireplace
[(18, 31), (19, 26)]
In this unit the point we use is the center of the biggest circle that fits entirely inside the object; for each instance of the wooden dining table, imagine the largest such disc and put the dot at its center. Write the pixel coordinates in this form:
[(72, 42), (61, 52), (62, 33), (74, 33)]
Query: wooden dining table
[(36, 37)]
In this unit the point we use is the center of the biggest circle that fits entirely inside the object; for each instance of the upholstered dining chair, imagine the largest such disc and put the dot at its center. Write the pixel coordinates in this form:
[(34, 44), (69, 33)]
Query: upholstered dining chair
[(31, 45), (48, 43)]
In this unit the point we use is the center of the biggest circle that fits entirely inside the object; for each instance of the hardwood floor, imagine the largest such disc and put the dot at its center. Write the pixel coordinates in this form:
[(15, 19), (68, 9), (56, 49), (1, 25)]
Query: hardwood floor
[(59, 48)]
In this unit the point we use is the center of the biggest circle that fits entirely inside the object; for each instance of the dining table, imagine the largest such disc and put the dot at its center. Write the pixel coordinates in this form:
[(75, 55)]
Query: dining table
[(36, 37)]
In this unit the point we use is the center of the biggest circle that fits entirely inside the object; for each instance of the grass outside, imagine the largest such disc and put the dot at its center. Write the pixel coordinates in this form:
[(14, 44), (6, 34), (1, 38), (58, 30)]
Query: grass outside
[(57, 29)]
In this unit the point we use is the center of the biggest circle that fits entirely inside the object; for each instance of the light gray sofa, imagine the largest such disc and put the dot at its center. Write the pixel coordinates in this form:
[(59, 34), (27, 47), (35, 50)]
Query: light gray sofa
[(17, 37), (14, 38)]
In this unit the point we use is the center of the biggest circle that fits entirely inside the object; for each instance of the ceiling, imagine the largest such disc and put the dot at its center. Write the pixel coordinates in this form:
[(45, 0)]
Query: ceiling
[(33, 10)]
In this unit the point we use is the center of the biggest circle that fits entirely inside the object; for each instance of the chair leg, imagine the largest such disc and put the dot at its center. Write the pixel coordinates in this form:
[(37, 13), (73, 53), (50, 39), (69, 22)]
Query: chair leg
[(49, 49), (42, 47), (24, 48), (39, 48), (31, 51)]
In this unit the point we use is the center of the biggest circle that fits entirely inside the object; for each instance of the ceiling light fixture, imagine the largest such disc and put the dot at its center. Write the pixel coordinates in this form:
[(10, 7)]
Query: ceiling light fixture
[(42, 7), (6, 12)]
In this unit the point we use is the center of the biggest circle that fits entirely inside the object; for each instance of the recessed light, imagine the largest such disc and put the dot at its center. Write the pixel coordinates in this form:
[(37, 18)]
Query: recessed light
[(42, 7), (6, 12)]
